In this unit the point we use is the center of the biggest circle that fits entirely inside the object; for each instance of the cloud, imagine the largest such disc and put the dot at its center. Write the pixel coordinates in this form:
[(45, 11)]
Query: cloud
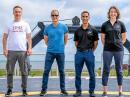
[(39, 10)]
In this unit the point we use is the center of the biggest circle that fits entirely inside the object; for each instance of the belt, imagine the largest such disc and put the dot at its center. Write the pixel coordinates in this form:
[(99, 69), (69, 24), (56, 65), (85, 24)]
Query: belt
[(84, 50)]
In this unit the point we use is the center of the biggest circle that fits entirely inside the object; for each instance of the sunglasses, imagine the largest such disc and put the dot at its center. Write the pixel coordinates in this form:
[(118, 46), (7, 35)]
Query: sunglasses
[(54, 15)]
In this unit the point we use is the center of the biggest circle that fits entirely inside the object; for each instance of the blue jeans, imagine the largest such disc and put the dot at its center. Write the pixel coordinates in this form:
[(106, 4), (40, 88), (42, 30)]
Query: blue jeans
[(60, 57), (107, 59), (89, 59)]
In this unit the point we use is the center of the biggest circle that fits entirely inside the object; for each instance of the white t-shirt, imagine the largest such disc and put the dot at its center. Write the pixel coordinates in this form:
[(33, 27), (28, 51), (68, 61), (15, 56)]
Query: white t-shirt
[(17, 31)]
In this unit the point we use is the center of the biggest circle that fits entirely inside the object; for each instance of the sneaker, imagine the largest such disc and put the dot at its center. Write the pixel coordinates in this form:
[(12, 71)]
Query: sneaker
[(91, 94), (24, 92), (120, 94), (43, 93), (9, 92), (77, 94), (104, 94), (64, 93)]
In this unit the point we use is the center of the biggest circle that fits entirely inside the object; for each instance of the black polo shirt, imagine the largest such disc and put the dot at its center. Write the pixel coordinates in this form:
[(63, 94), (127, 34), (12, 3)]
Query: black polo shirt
[(113, 35), (85, 38)]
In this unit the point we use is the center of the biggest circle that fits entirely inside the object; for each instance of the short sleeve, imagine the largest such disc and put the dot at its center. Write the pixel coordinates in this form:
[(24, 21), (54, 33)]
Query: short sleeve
[(45, 31), (95, 34), (6, 29), (76, 36), (65, 29), (103, 28), (123, 28), (28, 30)]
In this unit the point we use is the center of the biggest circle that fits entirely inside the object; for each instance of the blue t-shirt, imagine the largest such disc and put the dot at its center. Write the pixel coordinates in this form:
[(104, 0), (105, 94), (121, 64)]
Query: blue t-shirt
[(55, 37)]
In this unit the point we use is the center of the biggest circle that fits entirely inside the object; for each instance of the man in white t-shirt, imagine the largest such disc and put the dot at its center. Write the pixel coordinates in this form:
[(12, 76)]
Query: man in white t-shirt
[(15, 39)]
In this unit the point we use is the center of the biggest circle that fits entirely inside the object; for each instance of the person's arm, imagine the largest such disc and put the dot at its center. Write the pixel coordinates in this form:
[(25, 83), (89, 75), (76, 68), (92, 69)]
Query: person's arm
[(5, 50), (123, 37), (76, 44), (95, 45), (66, 38), (29, 40), (103, 38), (123, 32), (46, 39)]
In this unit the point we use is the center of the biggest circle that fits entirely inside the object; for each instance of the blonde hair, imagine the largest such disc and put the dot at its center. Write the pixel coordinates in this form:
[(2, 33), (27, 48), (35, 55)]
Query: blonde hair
[(54, 10)]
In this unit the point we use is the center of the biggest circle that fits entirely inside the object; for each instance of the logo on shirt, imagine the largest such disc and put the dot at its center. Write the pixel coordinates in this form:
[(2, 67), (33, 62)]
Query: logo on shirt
[(17, 29), (90, 33)]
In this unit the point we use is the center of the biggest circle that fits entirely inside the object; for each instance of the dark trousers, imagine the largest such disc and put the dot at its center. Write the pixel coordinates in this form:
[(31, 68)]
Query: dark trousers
[(89, 59), (107, 59), (60, 57), (12, 58)]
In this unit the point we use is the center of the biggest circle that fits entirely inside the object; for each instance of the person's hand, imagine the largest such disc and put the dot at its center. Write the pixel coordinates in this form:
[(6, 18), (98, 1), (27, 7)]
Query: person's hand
[(29, 52), (5, 52)]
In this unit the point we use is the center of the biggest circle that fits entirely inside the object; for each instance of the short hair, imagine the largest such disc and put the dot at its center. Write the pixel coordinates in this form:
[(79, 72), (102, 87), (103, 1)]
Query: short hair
[(117, 10), (17, 6), (54, 10), (84, 12)]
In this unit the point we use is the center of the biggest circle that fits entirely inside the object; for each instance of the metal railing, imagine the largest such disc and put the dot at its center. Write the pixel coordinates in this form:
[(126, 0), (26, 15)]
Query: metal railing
[(39, 65)]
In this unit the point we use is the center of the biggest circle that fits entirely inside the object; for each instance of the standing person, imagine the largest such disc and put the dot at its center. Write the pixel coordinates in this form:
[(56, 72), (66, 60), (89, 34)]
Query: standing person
[(86, 41), (15, 39), (113, 35), (55, 36)]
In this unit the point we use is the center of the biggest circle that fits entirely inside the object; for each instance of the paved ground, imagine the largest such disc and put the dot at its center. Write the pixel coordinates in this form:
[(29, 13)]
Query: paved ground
[(34, 87)]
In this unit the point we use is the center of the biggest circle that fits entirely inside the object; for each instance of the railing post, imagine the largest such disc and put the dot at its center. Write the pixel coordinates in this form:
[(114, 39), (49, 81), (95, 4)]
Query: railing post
[(129, 65), (101, 63)]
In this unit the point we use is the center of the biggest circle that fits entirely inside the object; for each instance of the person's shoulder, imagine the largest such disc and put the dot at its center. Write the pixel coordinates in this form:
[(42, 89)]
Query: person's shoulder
[(120, 22), (78, 29), (105, 23), (91, 26), (24, 22), (63, 25), (48, 26), (9, 24)]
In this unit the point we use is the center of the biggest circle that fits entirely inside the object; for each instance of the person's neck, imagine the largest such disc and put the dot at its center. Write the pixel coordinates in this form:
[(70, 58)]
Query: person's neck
[(55, 23), (17, 20), (113, 20), (85, 26)]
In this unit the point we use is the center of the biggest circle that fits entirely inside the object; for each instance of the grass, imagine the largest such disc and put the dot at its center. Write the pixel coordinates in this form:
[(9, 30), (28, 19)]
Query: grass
[(69, 72), (2, 72)]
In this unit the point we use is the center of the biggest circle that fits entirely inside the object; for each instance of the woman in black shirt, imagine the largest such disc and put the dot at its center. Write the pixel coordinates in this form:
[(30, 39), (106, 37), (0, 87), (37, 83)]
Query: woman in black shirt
[(113, 35)]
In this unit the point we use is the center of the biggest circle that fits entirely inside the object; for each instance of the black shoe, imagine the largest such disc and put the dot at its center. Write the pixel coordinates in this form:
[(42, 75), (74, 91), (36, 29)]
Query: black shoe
[(120, 94), (24, 92), (91, 94), (77, 94), (64, 92), (43, 93), (9, 92), (104, 94)]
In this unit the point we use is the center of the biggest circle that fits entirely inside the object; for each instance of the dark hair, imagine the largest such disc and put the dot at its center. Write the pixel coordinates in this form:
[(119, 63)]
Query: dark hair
[(117, 10), (17, 6), (84, 12)]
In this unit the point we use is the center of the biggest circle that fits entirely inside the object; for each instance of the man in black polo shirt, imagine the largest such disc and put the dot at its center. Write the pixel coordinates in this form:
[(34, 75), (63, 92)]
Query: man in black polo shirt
[(86, 40)]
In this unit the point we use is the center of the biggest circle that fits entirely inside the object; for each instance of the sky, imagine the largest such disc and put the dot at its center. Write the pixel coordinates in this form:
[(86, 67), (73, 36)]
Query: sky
[(39, 10)]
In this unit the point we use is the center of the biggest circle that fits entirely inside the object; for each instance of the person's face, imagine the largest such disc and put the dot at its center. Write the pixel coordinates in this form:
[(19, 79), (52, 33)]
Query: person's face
[(17, 12), (85, 18), (113, 13), (55, 16)]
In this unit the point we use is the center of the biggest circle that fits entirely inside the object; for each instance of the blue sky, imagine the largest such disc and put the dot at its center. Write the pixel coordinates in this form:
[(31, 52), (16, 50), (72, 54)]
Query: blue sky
[(39, 10)]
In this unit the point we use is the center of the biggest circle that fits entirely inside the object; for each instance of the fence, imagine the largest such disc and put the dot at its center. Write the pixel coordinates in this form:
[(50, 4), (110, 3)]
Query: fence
[(37, 63)]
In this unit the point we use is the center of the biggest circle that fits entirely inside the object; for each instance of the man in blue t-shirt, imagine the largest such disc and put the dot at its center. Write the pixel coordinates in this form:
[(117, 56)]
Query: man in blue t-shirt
[(55, 36)]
